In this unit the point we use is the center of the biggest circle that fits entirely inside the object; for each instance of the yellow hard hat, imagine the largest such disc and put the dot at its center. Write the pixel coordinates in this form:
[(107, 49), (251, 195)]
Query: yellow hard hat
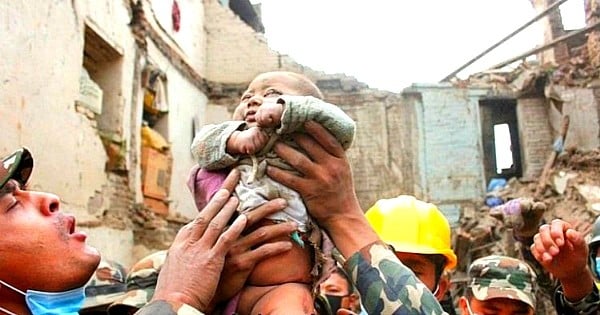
[(412, 226)]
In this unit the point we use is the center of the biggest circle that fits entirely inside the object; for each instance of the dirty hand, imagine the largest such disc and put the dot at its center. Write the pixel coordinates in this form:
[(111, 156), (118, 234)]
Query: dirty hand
[(560, 249), (247, 141), (521, 214), (269, 114), (252, 248), (195, 259), (326, 187)]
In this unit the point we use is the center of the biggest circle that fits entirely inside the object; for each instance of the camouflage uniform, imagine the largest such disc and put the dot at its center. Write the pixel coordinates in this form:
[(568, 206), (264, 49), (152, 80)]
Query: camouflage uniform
[(105, 286), (141, 282), (589, 305), (385, 285), (502, 277)]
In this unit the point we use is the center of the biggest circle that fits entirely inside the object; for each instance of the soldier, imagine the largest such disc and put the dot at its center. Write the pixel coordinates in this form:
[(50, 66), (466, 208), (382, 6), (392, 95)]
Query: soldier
[(60, 263), (594, 249), (384, 284), (337, 293), (141, 282), (419, 235), (562, 251), (106, 285), (46, 262), (499, 285)]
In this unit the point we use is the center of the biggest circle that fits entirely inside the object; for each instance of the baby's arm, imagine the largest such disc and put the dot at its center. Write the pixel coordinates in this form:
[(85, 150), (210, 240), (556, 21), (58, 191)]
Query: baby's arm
[(299, 109), (247, 141), (209, 147)]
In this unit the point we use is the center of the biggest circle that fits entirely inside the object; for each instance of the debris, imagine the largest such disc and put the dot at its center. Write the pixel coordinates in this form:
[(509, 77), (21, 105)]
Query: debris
[(574, 196)]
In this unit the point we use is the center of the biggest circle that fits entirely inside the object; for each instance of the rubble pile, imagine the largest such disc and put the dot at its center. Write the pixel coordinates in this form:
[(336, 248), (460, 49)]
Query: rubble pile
[(572, 193)]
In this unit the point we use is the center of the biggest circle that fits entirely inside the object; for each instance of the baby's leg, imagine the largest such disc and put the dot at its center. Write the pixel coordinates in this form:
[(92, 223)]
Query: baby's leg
[(284, 299)]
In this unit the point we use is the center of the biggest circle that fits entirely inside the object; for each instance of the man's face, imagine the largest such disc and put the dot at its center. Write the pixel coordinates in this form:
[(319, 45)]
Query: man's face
[(423, 267), (334, 285), (497, 306), (337, 285), (39, 248)]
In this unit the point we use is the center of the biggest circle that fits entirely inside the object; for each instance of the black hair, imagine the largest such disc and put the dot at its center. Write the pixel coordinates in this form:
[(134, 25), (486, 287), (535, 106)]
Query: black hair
[(340, 271)]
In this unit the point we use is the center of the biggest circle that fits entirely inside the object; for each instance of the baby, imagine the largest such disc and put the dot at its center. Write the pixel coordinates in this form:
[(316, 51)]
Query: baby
[(275, 105)]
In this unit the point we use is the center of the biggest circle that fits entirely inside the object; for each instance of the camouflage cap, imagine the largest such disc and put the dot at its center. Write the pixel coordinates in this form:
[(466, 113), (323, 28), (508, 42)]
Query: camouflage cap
[(502, 277), (106, 284), (18, 166), (141, 282)]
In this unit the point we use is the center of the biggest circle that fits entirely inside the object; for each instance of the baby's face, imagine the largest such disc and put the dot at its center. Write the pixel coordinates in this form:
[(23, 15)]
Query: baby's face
[(266, 87)]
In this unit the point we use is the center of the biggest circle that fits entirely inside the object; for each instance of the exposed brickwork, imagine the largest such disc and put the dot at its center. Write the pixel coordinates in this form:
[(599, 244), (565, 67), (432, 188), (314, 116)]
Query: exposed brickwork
[(592, 15), (235, 52), (375, 163), (535, 135), (111, 205), (553, 28)]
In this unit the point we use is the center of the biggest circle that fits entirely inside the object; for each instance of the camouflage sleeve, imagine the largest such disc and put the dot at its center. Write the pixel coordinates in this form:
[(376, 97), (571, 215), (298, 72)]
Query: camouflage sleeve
[(587, 306), (167, 308), (300, 109), (386, 286), (210, 144)]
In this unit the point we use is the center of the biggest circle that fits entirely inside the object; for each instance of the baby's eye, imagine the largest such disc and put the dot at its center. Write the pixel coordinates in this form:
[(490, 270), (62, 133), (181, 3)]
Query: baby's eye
[(272, 92), (246, 97)]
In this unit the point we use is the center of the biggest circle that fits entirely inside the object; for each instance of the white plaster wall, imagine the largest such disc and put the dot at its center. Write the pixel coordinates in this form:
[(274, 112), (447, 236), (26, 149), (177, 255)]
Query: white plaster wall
[(42, 53), (582, 108), (186, 101), (191, 38), (40, 80), (112, 19), (215, 114)]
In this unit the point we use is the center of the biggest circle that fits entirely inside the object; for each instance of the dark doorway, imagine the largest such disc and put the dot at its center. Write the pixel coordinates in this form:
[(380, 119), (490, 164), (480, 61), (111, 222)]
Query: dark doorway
[(500, 139)]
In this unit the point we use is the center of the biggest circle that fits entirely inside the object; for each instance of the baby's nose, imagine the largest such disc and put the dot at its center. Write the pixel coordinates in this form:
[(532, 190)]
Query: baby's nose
[(256, 100)]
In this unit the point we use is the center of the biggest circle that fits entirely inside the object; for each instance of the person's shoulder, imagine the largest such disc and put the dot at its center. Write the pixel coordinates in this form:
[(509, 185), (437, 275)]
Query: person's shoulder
[(106, 285), (141, 282)]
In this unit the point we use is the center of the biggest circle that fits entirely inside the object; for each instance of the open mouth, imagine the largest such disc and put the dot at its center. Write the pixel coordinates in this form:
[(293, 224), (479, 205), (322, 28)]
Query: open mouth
[(250, 116)]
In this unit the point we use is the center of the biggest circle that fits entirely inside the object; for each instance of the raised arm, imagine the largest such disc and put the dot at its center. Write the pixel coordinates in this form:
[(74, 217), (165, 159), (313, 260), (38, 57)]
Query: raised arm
[(385, 284), (299, 109), (209, 147)]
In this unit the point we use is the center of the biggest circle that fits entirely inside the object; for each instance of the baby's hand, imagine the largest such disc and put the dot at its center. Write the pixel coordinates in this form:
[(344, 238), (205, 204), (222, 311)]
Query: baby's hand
[(269, 114), (247, 141)]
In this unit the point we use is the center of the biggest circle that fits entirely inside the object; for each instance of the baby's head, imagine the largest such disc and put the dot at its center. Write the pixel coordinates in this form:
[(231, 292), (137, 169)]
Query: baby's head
[(272, 85)]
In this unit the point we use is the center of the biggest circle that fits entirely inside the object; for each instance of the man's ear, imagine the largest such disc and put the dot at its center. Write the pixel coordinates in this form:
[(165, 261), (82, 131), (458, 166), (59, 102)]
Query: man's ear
[(443, 285), (462, 304)]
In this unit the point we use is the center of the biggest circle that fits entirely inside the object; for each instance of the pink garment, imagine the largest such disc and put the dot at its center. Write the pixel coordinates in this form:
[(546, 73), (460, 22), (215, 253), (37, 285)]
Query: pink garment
[(232, 305), (204, 184)]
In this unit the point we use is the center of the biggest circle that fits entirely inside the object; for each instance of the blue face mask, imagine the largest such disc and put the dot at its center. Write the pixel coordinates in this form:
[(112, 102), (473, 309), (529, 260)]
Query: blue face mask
[(597, 267), (51, 303)]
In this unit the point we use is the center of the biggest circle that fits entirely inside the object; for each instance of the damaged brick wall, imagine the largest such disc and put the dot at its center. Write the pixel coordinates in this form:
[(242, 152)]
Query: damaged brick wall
[(374, 157), (553, 28), (235, 52), (592, 15), (535, 135)]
